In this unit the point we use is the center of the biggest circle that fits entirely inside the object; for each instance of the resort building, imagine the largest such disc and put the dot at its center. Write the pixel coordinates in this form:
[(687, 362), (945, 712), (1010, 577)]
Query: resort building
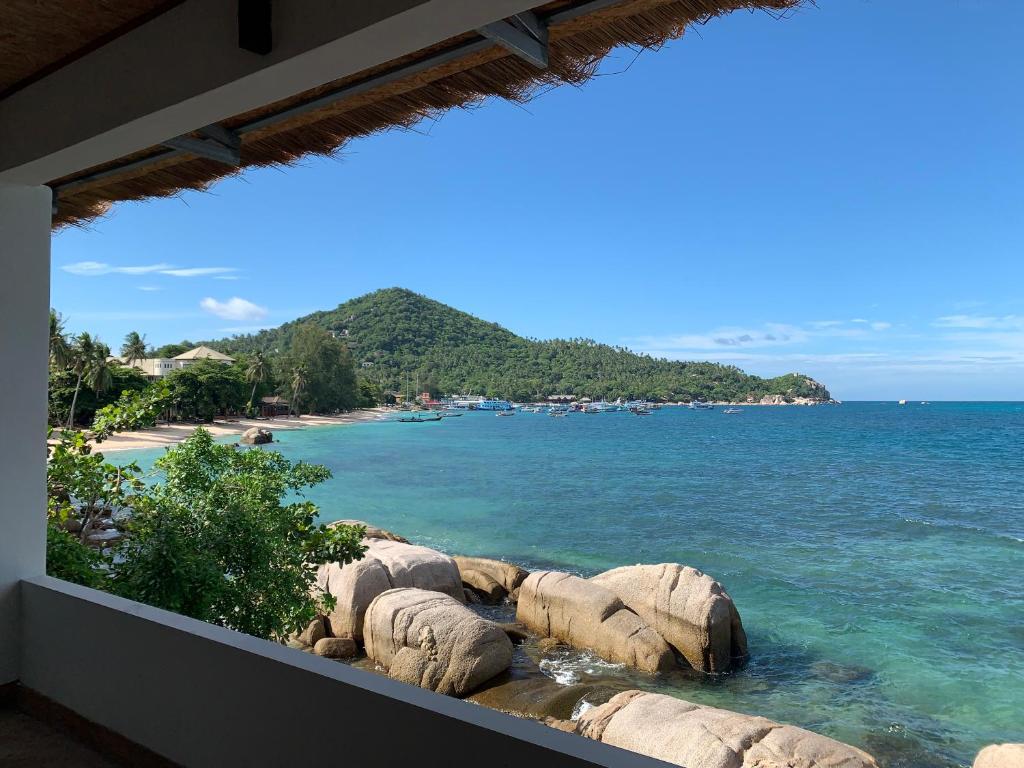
[(158, 367), (109, 102)]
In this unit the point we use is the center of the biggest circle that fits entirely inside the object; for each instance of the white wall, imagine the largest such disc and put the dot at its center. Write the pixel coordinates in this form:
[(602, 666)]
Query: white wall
[(24, 308), (205, 696)]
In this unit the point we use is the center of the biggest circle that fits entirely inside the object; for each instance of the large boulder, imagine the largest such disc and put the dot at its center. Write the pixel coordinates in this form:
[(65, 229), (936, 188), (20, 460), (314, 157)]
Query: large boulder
[(534, 697), (691, 610), (386, 565), (372, 531), (697, 736), (480, 573), (431, 640), (584, 614), (1000, 756), (256, 436)]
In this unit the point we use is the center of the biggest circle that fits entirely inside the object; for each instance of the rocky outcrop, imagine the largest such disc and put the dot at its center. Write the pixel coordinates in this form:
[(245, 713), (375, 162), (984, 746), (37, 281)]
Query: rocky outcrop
[(372, 531), (481, 573), (335, 647), (1001, 756), (256, 436), (697, 736), (385, 565), (689, 609), (314, 632), (433, 641), (584, 614), (483, 586)]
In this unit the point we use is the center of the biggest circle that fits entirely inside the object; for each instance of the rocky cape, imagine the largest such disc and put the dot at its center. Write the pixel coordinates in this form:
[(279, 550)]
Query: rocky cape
[(427, 619)]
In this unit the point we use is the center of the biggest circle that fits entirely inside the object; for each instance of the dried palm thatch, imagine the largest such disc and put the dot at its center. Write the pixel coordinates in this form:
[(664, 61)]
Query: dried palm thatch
[(576, 47)]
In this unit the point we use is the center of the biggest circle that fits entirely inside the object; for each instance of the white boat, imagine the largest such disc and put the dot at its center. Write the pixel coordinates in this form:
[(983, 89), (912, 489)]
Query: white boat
[(509, 412), (733, 410), (902, 402), (700, 405), (495, 405)]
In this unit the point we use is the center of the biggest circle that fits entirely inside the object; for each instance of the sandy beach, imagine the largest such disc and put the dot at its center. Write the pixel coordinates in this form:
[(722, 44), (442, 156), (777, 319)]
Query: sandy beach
[(171, 434)]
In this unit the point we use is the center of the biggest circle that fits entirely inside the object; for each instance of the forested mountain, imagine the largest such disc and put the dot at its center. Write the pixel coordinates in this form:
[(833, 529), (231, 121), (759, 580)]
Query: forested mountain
[(399, 338)]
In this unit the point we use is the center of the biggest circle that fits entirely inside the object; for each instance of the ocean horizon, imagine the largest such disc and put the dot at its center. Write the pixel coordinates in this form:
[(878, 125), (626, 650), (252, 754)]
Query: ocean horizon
[(874, 551)]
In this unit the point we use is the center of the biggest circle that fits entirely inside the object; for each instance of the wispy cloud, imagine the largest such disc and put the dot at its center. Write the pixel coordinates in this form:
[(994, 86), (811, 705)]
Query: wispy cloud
[(99, 268), (982, 322), (234, 308), (150, 288)]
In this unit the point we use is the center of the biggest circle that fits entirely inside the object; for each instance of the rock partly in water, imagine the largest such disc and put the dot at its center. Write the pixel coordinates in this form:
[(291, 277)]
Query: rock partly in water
[(372, 531), (697, 736), (1001, 756), (256, 436), (386, 565), (509, 576), (517, 633), (689, 609), (535, 697), (487, 589), (586, 615), (433, 641), (335, 647)]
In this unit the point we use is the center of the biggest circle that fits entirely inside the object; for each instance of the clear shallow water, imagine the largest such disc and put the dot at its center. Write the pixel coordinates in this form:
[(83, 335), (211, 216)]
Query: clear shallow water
[(875, 552)]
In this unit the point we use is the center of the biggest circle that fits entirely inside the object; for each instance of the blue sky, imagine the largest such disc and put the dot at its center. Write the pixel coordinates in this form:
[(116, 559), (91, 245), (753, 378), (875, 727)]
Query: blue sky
[(839, 193)]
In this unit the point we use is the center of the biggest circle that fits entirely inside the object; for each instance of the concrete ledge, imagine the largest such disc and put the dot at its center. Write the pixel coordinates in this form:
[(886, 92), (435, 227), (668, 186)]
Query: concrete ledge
[(201, 695)]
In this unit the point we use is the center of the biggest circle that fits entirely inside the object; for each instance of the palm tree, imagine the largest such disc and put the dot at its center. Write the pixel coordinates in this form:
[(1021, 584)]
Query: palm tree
[(134, 348), (257, 374), (89, 361), (60, 349), (299, 382)]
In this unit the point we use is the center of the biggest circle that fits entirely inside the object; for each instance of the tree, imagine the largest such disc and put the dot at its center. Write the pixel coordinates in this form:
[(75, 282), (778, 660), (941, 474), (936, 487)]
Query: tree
[(60, 349), (257, 372), (206, 388), (299, 382), (89, 363), (330, 379), (215, 541), (134, 348)]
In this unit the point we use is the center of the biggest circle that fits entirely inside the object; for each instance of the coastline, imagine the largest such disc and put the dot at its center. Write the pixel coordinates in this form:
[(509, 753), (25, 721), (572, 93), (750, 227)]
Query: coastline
[(171, 434)]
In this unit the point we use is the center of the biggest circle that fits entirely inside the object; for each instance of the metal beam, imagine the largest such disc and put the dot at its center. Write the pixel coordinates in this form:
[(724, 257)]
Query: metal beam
[(527, 38), (211, 150)]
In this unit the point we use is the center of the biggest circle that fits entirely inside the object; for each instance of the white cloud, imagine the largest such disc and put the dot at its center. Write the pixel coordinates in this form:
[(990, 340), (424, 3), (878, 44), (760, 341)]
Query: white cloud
[(234, 309), (150, 288), (982, 322), (881, 326), (198, 271), (97, 268)]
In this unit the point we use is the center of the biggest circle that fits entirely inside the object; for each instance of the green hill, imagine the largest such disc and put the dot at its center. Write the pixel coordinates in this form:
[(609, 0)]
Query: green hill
[(399, 338)]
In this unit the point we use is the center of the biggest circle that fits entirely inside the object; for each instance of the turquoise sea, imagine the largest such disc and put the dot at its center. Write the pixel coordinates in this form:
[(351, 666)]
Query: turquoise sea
[(875, 552)]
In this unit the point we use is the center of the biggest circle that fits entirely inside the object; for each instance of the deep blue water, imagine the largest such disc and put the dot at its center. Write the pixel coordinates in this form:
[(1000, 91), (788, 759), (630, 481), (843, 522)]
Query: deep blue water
[(875, 552)]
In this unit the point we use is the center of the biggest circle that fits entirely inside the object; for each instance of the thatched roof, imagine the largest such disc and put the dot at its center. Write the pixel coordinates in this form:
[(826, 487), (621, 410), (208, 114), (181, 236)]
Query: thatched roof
[(205, 353), (471, 69)]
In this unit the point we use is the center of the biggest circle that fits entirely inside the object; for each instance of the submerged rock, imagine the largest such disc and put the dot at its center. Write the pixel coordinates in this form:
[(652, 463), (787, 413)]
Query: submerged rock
[(386, 565), (433, 641), (1001, 756), (535, 697), (689, 609), (584, 614), (256, 436), (697, 736), (840, 673)]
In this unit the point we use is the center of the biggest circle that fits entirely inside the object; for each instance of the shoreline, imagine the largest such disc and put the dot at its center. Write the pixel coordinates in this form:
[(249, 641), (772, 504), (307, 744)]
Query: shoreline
[(166, 435)]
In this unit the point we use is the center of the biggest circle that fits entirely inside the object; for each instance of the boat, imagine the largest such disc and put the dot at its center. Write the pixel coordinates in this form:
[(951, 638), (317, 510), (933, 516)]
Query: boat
[(641, 411), (733, 410), (700, 405), (506, 413), (902, 402), (494, 405), (449, 414), (558, 414), (417, 419)]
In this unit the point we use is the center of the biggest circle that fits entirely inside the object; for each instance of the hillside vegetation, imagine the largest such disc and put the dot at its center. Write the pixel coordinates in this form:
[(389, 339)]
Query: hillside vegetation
[(399, 338)]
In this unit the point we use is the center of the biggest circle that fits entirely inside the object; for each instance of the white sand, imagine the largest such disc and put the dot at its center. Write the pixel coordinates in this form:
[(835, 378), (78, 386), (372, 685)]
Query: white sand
[(171, 434)]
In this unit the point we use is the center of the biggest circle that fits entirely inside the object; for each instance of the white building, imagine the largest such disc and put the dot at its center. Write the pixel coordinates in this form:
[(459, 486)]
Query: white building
[(158, 367)]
